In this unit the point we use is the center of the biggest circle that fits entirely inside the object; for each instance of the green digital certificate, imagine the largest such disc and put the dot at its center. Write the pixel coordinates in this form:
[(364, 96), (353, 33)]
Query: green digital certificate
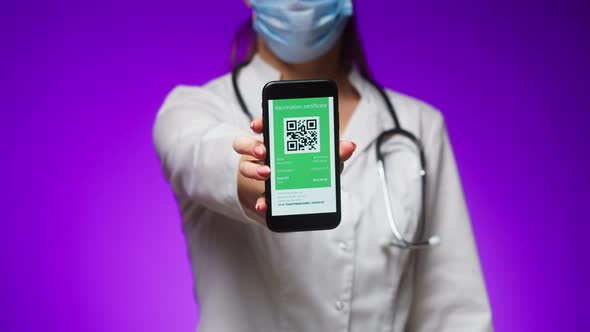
[(302, 162)]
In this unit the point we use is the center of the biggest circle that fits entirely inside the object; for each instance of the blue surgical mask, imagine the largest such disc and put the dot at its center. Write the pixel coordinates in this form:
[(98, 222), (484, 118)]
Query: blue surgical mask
[(298, 31)]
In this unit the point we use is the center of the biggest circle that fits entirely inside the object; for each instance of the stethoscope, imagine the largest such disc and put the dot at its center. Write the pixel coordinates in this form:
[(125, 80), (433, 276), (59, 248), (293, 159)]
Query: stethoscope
[(401, 241)]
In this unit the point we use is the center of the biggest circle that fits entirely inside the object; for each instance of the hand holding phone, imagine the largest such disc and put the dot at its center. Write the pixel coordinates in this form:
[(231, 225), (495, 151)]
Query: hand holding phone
[(301, 136), (253, 173)]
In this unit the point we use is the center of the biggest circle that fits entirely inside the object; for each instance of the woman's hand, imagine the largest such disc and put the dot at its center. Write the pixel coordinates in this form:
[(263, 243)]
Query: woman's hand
[(252, 172)]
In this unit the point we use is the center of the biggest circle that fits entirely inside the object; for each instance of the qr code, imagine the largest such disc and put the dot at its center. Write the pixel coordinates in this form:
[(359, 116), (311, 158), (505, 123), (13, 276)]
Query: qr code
[(301, 134)]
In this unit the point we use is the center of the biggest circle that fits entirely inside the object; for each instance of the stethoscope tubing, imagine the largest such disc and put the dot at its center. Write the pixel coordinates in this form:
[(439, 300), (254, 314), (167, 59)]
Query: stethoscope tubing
[(400, 241)]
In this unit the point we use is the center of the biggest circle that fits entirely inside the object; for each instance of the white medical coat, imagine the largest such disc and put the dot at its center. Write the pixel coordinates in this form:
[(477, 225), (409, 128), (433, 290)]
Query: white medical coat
[(249, 279)]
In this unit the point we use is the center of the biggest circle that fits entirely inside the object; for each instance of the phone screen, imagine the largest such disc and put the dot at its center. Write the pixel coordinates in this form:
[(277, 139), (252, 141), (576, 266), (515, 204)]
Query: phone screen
[(302, 161)]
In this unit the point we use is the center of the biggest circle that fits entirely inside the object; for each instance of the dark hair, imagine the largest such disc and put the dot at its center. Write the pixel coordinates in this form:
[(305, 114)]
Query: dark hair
[(244, 46)]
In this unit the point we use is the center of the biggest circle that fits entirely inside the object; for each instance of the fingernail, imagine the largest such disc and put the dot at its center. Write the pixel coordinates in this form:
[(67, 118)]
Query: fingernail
[(252, 125), (263, 170), (257, 207), (353, 144), (258, 151)]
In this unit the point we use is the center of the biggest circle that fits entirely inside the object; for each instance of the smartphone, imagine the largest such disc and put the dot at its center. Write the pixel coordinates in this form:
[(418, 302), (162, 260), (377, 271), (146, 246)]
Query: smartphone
[(301, 139)]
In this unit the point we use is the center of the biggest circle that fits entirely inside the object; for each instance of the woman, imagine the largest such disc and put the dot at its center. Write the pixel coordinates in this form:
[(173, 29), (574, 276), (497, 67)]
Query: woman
[(247, 278)]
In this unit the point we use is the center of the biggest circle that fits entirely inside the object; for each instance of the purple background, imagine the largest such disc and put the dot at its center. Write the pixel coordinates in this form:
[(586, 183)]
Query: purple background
[(90, 236)]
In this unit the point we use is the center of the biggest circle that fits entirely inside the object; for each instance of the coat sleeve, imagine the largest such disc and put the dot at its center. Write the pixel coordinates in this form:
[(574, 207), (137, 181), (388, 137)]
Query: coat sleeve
[(449, 290), (193, 134)]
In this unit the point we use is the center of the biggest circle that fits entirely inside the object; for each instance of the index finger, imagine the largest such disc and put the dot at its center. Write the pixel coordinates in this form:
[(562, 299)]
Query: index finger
[(257, 125)]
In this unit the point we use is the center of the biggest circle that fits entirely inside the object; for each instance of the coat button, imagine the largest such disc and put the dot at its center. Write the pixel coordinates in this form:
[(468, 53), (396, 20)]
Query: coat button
[(339, 305), (343, 245)]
